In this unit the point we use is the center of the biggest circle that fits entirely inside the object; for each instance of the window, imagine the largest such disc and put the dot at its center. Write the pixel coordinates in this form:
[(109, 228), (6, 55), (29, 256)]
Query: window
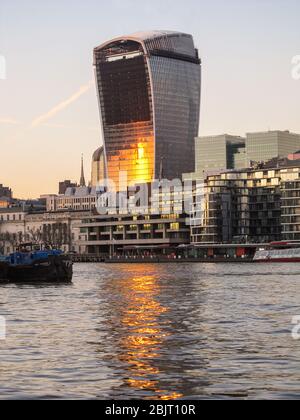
[(174, 226)]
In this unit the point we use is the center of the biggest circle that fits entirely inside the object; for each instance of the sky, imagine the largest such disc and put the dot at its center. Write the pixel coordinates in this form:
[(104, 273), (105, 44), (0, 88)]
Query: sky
[(48, 106)]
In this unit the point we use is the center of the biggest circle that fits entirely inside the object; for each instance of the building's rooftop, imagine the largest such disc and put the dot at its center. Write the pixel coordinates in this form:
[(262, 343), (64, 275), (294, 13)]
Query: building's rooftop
[(171, 41), (273, 164), (97, 154), (272, 132), (12, 210), (145, 35), (79, 192)]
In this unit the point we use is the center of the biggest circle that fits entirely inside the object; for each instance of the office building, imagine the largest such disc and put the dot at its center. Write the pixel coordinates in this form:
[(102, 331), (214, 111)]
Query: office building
[(149, 94), (264, 146), (127, 234), (217, 153)]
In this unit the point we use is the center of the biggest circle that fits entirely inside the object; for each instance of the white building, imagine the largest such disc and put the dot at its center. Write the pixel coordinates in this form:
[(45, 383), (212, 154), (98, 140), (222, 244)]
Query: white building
[(79, 199), (60, 228)]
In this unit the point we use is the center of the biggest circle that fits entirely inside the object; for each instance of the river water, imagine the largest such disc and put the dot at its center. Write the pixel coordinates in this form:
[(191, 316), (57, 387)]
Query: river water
[(154, 332)]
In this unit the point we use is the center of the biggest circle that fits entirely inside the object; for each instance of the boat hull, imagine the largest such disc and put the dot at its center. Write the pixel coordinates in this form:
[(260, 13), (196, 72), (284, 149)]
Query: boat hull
[(56, 269), (279, 260)]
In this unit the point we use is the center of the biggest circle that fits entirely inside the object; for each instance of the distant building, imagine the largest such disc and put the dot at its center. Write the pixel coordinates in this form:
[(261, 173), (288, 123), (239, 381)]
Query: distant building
[(5, 191), (98, 167), (218, 153), (79, 198), (64, 185), (261, 147), (149, 94), (28, 205), (5, 202), (223, 152), (294, 156)]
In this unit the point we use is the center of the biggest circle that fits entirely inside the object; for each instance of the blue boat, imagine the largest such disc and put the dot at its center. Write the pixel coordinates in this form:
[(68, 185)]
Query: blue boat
[(36, 264)]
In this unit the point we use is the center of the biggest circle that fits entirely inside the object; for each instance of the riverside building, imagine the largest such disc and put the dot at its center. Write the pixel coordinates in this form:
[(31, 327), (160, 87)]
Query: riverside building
[(159, 225), (59, 228), (249, 206)]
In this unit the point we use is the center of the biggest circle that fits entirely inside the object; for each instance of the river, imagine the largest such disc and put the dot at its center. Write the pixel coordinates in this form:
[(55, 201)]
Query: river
[(186, 331)]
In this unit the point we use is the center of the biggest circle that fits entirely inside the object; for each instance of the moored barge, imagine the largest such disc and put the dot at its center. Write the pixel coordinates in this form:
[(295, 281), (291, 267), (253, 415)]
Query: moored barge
[(32, 264)]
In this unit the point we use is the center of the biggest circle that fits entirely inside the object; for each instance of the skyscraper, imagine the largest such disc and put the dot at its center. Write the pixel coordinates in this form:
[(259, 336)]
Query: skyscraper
[(149, 95)]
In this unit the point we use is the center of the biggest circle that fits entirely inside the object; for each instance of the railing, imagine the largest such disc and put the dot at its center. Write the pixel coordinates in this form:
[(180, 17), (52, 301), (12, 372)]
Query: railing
[(92, 258)]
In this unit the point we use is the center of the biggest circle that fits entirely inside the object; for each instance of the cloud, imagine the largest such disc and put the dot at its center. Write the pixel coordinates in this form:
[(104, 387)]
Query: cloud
[(9, 121), (61, 106)]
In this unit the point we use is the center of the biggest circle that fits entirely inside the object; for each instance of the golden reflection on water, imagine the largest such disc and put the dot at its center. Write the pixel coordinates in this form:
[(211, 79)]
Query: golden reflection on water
[(141, 347)]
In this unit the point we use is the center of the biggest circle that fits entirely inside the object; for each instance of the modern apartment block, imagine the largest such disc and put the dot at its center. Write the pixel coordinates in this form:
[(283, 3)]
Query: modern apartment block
[(290, 210), (148, 87), (249, 206)]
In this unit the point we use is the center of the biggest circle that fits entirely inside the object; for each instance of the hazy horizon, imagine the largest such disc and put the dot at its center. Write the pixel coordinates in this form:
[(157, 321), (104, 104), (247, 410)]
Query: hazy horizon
[(48, 109)]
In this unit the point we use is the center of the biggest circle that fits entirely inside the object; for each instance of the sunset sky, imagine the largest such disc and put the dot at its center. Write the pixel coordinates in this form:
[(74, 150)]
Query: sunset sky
[(48, 107)]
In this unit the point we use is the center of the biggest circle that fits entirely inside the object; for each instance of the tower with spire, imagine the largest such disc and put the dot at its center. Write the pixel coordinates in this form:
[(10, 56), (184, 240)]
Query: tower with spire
[(82, 178)]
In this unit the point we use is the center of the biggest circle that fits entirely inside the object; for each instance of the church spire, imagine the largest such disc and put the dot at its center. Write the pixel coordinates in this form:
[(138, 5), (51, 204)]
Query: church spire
[(82, 178)]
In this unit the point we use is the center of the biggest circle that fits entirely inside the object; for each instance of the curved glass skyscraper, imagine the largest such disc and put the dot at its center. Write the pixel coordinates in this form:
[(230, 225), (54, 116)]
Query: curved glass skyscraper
[(149, 95)]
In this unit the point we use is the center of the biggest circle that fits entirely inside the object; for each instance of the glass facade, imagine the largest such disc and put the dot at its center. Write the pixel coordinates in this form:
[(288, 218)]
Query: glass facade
[(240, 207), (218, 153), (262, 147), (149, 95)]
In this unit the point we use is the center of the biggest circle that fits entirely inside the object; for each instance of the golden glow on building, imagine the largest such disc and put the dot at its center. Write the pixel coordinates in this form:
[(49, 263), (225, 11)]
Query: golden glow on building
[(136, 161)]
